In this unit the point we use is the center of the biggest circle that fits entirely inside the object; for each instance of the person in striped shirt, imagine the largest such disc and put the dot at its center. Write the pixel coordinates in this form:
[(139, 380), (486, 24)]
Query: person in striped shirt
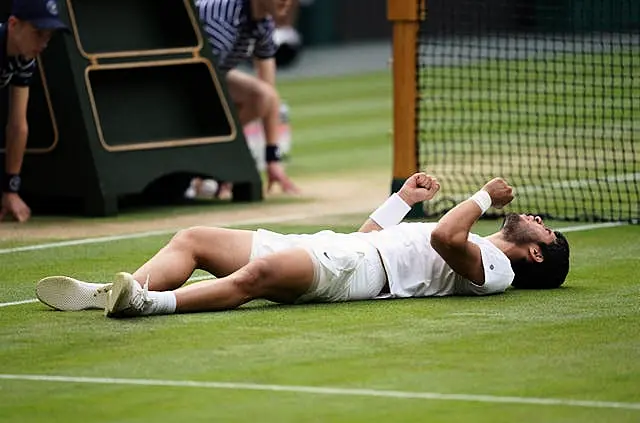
[(22, 38), (240, 30)]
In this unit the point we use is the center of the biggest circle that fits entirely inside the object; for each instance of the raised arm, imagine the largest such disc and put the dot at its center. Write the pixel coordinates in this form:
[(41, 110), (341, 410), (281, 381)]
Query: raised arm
[(450, 237), (419, 187)]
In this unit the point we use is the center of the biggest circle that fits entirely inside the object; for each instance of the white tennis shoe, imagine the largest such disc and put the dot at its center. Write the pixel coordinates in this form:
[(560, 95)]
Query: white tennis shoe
[(127, 298), (68, 294)]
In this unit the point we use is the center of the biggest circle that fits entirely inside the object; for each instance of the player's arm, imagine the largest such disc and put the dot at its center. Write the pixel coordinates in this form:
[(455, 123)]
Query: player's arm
[(419, 187), (264, 53), (450, 237), (264, 64), (265, 67), (17, 129), (266, 70)]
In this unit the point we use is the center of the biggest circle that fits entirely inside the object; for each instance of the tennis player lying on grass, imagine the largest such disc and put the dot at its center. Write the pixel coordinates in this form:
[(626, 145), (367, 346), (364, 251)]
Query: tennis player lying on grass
[(384, 259)]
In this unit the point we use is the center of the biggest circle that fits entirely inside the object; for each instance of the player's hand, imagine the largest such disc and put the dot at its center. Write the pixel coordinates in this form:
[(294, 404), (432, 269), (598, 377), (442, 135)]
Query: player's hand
[(500, 192), (277, 175), (419, 187), (13, 206)]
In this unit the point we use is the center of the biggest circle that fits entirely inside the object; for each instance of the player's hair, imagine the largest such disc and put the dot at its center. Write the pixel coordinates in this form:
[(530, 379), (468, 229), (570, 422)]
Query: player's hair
[(550, 273)]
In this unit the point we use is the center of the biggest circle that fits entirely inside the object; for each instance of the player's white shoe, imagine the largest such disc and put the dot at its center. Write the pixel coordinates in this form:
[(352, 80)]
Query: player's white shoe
[(127, 298), (67, 294)]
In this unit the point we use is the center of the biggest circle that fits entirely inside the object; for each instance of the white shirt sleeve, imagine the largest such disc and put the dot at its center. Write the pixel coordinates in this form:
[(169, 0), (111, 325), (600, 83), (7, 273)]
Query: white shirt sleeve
[(498, 274)]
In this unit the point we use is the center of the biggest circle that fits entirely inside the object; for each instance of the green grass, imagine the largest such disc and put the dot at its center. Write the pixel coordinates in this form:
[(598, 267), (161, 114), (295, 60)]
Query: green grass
[(339, 124), (577, 343), (150, 211)]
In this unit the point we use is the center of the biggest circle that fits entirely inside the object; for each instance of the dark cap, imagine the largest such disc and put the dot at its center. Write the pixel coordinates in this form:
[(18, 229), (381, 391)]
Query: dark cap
[(43, 14)]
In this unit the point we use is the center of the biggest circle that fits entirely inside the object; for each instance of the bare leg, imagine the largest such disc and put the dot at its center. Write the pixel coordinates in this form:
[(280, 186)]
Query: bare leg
[(216, 250), (256, 99), (281, 277), (252, 97)]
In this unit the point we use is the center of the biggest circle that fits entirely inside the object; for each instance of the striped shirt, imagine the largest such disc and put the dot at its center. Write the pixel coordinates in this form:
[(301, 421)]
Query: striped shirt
[(233, 34), (14, 70)]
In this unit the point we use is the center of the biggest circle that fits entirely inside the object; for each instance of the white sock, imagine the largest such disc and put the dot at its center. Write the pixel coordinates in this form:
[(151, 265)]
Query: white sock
[(164, 302)]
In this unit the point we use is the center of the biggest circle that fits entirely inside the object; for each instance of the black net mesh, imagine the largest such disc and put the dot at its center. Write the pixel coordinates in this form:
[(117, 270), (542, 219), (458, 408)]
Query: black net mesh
[(543, 93)]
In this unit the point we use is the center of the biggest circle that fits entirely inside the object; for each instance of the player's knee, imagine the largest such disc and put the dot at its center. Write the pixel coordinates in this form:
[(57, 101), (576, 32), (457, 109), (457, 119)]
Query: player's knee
[(256, 277), (266, 98), (188, 239)]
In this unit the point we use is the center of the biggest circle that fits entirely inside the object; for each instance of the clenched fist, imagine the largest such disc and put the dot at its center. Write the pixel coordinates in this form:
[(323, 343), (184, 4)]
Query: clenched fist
[(500, 192), (419, 187)]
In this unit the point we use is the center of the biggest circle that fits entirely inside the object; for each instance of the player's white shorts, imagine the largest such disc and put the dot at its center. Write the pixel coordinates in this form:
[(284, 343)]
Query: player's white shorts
[(345, 267)]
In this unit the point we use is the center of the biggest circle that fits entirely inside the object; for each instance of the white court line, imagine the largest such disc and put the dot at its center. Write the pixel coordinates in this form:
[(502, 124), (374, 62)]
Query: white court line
[(592, 226), (33, 300), (329, 391), (98, 240), (83, 241)]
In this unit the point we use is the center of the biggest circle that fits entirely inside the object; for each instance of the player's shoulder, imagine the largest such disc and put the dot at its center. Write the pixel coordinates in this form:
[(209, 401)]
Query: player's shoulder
[(418, 225), (411, 229), (483, 242), (492, 256), (480, 240)]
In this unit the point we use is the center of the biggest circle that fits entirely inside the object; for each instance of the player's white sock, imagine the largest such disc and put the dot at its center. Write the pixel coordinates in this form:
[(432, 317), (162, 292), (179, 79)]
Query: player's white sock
[(164, 302)]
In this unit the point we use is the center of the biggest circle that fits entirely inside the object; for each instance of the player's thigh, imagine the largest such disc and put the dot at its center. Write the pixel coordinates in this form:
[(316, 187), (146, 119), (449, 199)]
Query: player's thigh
[(242, 86), (247, 90), (284, 276), (219, 251)]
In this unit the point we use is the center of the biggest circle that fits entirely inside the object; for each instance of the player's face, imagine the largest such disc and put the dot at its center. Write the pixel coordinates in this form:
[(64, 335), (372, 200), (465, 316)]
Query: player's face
[(525, 228), (30, 41)]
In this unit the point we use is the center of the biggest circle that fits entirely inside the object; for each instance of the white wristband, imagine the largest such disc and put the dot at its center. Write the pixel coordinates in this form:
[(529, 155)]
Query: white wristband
[(391, 212), (482, 199)]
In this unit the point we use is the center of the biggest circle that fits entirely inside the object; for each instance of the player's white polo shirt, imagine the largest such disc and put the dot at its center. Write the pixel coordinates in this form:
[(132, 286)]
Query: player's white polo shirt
[(415, 269)]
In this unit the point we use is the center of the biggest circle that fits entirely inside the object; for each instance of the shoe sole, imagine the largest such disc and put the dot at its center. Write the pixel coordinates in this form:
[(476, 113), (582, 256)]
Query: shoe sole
[(67, 294), (120, 291)]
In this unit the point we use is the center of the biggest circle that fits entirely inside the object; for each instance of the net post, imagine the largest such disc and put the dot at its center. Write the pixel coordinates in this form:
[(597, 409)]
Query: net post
[(405, 16)]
